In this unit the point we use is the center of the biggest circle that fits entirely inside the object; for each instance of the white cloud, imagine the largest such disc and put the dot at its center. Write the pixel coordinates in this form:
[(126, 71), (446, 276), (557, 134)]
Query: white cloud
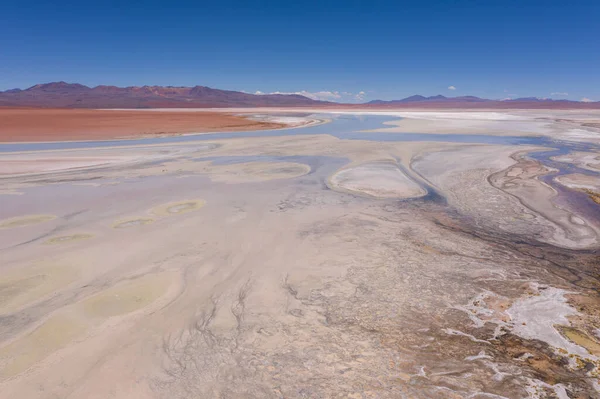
[(360, 96), (318, 95), (558, 93), (323, 95), (451, 88), (586, 100)]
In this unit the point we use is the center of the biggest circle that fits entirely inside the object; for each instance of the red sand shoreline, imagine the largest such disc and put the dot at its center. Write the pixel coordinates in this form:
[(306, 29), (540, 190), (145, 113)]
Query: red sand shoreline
[(58, 124)]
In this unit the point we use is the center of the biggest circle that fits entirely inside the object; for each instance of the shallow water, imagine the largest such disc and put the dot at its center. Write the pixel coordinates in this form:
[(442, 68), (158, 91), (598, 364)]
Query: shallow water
[(339, 126), (352, 127), (346, 127)]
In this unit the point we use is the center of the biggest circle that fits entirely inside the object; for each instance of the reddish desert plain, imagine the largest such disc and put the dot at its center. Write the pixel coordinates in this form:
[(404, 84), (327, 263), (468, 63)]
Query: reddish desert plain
[(52, 124)]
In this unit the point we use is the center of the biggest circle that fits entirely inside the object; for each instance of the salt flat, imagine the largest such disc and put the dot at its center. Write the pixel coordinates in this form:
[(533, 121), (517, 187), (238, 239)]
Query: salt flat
[(329, 260)]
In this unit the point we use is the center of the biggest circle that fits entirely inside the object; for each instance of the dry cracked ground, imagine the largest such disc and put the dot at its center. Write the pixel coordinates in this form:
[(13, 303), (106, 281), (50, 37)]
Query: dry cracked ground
[(304, 266)]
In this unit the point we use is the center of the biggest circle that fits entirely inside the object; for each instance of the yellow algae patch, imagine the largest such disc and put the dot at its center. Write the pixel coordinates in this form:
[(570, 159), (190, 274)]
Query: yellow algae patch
[(63, 239), (127, 297), (123, 224), (55, 333), (175, 208), (24, 286), (581, 339), (73, 324), (593, 195), (255, 171), (22, 221)]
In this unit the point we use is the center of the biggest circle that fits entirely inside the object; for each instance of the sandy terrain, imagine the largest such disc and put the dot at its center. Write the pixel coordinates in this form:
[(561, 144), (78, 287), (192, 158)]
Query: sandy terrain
[(577, 180), (34, 124), (585, 160), (298, 266), (571, 125), (380, 180)]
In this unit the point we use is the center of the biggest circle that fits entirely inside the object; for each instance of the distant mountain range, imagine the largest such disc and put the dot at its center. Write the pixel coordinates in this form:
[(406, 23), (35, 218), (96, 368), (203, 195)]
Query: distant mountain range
[(440, 101), (74, 95), (421, 99)]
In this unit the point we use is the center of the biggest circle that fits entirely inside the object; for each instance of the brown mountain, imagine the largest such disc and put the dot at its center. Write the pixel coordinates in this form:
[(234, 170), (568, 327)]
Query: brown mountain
[(73, 95)]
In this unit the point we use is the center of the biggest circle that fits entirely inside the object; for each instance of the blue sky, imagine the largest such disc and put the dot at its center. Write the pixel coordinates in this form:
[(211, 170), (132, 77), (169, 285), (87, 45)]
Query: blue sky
[(384, 49)]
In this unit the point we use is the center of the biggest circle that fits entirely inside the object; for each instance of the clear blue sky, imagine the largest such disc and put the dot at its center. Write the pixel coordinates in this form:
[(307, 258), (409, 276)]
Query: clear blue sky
[(388, 49)]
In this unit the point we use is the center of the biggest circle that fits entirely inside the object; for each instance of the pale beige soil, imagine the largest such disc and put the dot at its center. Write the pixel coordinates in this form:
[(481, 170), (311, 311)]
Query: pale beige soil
[(566, 125), (412, 123), (186, 271), (577, 180), (585, 160), (380, 180), (249, 172)]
